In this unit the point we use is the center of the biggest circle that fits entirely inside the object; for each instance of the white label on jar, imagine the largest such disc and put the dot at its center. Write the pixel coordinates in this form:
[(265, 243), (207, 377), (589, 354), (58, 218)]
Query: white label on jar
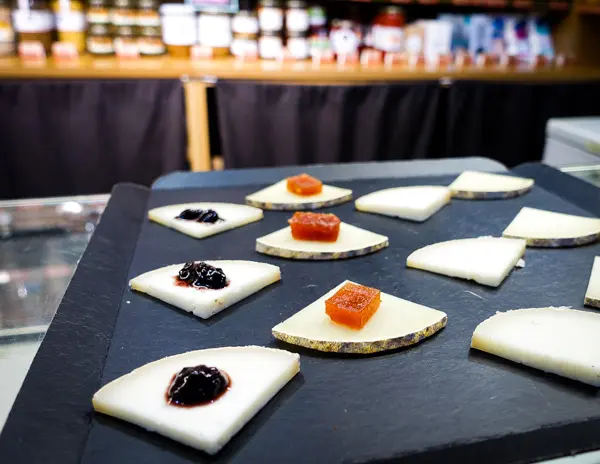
[(244, 47), (179, 30), (298, 47), (387, 38), (99, 47), (123, 19), (33, 21), (151, 47), (344, 41), (98, 17), (214, 31), (269, 48), (148, 20), (244, 25), (270, 19), (296, 20), (70, 21)]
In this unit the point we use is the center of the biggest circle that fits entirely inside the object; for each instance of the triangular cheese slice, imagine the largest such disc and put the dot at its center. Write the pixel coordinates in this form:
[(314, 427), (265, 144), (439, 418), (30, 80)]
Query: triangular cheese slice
[(543, 228), (233, 216), (474, 185), (486, 260), (277, 197), (562, 341), (413, 203), (256, 375), (592, 295), (245, 278), (397, 323), (352, 241)]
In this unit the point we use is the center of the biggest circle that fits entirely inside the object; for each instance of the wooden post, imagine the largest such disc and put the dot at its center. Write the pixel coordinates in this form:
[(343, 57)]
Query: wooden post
[(196, 109)]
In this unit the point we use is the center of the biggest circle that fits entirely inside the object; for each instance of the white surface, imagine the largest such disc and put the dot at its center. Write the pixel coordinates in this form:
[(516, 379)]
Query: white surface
[(486, 260), (532, 223), (414, 203), (350, 238), (562, 341), (245, 278), (139, 397), (233, 215), (484, 182), (572, 141), (394, 318), (593, 289), (278, 194)]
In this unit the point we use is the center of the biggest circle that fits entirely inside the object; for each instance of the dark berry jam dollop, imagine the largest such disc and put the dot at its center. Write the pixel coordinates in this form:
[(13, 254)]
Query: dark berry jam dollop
[(193, 386), (209, 216), (201, 275)]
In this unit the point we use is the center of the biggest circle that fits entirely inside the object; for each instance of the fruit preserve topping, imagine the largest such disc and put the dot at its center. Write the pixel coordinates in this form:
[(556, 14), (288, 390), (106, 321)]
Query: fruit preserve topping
[(199, 215), (201, 275), (353, 305), (315, 226), (193, 386), (304, 185)]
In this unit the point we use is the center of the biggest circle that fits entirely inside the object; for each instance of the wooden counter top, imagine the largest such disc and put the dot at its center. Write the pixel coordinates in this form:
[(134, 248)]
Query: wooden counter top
[(103, 68)]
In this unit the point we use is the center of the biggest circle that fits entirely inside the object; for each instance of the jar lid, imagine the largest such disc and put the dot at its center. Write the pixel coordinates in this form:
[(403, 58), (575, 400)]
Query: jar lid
[(296, 4), (150, 31), (149, 4), (297, 34), (99, 3), (270, 3), (395, 10), (213, 11), (177, 9), (246, 14), (274, 34), (124, 4), (99, 29), (125, 31)]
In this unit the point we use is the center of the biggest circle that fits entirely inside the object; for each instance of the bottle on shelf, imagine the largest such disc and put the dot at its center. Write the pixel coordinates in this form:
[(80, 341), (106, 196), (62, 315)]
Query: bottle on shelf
[(70, 22), (34, 22), (7, 33)]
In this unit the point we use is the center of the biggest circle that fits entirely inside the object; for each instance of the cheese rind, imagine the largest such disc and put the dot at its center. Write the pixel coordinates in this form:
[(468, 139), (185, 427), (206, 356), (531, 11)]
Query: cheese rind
[(592, 294), (486, 260), (543, 228), (245, 278), (417, 203), (256, 375), (277, 197), (475, 185), (561, 341), (234, 216), (396, 323), (352, 241)]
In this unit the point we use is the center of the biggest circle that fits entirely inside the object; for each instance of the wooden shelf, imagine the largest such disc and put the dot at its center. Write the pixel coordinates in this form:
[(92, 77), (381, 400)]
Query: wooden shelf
[(209, 71)]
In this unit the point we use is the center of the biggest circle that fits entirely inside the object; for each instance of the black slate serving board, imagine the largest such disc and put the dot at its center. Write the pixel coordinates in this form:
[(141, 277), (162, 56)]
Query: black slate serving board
[(435, 402)]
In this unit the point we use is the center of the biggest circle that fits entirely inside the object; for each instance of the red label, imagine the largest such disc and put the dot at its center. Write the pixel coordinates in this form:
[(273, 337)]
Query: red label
[(64, 51), (370, 57), (127, 51), (32, 50), (351, 58), (201, 52)]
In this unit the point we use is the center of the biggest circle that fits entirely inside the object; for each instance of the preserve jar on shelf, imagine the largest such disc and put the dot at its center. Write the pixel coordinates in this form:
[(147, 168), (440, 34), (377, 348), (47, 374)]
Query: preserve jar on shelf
[(98, 12), (124, 13), (214, 31), (34, 22), (387, 30), (345, 37), (245, 22), (179, 28), (70, 22), (7, 33), (296, 16), (297, 45), (270, 16), (150, 41), (100, 40), (147, 13), (244, 26), (125, 40), (270, 46)]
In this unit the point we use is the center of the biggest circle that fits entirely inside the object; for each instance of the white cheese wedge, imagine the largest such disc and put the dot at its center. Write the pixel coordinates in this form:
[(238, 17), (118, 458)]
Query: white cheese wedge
[(278, 197), (474, 185), (592, 295), (396, 323), (562, 341), (256, 375), (233, 216), (245, 278), (486, 260), (414, 203), (352, 241), (543, 228)]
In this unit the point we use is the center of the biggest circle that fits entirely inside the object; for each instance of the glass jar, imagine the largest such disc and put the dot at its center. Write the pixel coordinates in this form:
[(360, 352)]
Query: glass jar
[(179, 28), (345, 37), (100, 40), (147, 14), (150, 41), (387, 30), (244, 45), (296, 16), (297, 45), (214, 31), (270, 16), (70, 22), (245, 22), (124, 13), (270, 46), (33, 21), (7, 34), (98, 12), (125, 38)]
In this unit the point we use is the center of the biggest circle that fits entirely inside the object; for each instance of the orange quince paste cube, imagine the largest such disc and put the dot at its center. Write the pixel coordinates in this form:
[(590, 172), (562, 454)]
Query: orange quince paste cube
[(304, 185), (315, 226), (353, 305)]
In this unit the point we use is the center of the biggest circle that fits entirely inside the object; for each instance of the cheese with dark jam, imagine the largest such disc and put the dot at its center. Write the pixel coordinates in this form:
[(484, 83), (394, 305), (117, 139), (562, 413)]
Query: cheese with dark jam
[(194, 386), (198, 274), (208, 216)]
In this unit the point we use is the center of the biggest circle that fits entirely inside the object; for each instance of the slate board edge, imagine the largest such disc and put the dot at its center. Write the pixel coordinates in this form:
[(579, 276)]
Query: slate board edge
[(50, 418)]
